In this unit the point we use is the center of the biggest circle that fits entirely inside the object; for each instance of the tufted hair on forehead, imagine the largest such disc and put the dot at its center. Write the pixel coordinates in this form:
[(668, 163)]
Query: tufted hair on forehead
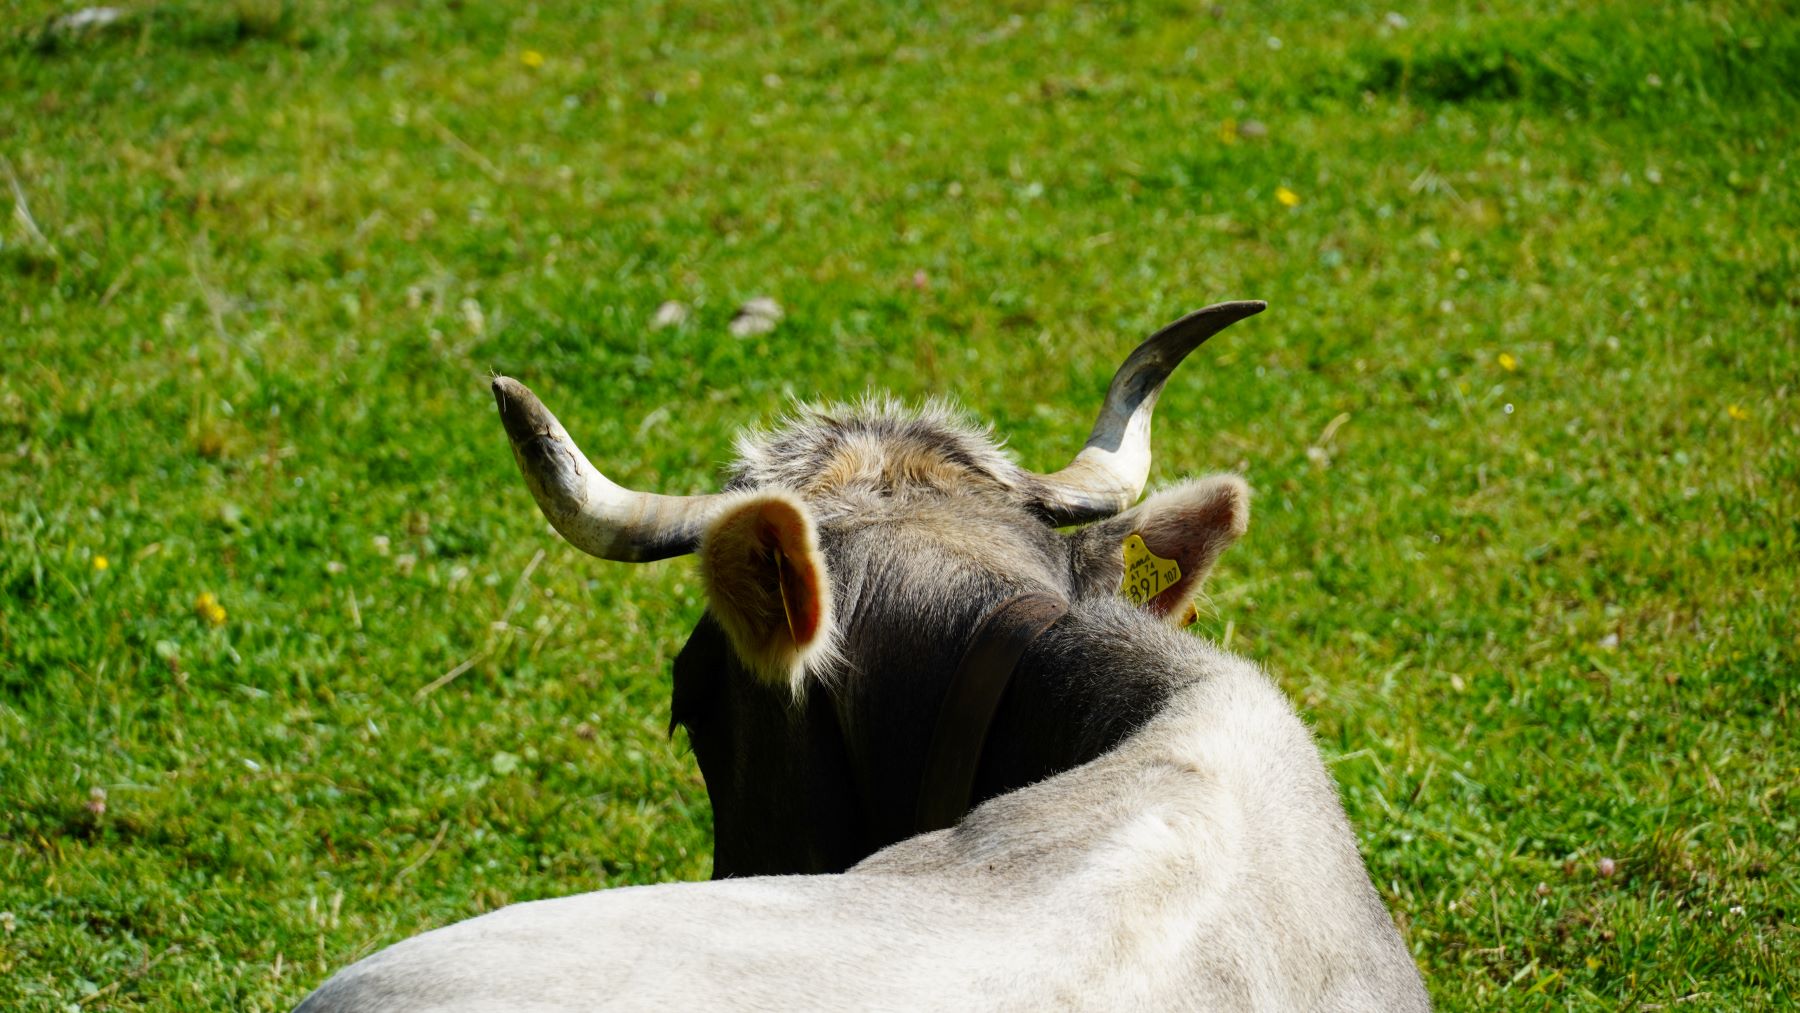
[(877, 446)]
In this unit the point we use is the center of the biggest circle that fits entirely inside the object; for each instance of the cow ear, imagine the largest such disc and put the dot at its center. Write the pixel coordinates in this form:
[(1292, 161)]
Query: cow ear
[(767, 585), (1158, 553)]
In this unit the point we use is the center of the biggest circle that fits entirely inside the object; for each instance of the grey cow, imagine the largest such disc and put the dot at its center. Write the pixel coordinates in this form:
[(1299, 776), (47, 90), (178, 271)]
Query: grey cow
[(1158, 830)]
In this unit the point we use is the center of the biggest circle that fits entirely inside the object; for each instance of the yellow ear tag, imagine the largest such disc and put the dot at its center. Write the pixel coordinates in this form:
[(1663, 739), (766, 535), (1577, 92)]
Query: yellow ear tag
[(1146, 573)]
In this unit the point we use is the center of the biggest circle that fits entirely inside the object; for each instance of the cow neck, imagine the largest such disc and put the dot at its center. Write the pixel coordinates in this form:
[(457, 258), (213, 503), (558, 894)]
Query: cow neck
[(986, 669)]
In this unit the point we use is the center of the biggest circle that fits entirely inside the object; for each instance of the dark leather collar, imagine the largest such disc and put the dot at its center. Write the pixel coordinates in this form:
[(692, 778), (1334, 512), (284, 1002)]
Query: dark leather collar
[(980, 681)]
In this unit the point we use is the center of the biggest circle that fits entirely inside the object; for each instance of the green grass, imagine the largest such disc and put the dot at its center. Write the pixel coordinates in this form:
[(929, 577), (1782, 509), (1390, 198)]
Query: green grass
[(1521, 417)]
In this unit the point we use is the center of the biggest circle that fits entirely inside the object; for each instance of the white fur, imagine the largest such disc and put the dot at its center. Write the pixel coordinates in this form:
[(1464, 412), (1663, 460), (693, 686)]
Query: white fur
[(1203, 865)]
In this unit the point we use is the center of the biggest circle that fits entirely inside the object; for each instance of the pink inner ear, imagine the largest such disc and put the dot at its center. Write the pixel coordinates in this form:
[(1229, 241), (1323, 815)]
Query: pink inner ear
[(1176, 595), (785, 534), (1193, 537)]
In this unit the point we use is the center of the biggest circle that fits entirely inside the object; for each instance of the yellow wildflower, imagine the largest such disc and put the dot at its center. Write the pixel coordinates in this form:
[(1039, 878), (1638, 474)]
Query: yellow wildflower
[(101, 562), (1228, 131), (1736, 412), (207, 607), (1288, 198), (1507, 362), (531, 58)]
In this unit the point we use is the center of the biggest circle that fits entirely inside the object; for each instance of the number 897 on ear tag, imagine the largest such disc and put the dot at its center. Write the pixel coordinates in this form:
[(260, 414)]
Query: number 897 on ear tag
[(1146, 573)]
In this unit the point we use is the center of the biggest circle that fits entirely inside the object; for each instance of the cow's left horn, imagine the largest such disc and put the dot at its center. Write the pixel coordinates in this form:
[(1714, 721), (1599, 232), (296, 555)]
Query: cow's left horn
[(1109, 473), (595, 515)]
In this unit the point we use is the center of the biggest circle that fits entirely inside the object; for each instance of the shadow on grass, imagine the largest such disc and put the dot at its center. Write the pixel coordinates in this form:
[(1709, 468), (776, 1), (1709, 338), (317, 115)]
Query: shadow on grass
[(1603, 64), (197, 26)]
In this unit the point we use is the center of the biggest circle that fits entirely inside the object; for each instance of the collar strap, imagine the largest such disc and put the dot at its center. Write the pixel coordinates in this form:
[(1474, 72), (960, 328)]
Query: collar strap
[(981, 679)]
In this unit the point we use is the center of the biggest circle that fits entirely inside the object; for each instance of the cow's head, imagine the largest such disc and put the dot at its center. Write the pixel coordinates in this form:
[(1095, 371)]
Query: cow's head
[(850, 557)]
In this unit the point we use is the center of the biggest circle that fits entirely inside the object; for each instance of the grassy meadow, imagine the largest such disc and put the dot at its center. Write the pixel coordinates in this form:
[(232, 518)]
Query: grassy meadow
[(291, 668)]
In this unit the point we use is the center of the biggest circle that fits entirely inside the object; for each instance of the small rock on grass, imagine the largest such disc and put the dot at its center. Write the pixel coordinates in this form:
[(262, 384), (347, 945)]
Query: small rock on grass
[(670, 314), (81, 25), (758, 316), (84, 20)]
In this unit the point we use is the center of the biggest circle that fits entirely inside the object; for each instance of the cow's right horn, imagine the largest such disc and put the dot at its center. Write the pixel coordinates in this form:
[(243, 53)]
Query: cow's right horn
[(1109, 473), (595, 515)]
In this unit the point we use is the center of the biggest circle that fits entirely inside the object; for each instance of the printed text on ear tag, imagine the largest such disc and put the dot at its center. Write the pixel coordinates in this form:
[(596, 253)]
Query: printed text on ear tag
[(1146, 573)]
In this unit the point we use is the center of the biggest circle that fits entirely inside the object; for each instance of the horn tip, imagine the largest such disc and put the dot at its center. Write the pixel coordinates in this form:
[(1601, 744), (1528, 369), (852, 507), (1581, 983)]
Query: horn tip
[(523, 415), (506, 386)]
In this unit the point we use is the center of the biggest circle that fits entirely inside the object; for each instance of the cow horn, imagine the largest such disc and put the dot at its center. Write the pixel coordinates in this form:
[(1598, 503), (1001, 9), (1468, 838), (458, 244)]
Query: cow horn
[(1109, 473), (595, 515)]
